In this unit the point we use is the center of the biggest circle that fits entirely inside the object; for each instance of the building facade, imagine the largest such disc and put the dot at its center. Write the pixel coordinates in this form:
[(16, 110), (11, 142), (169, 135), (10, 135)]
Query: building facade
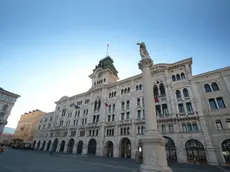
[(27, 125), (109, 119), (7, 101)]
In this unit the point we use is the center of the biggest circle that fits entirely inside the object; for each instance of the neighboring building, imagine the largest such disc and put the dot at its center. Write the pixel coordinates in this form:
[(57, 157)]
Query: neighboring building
[(109, 118), (6, 138), (27, 125), (7, 101)]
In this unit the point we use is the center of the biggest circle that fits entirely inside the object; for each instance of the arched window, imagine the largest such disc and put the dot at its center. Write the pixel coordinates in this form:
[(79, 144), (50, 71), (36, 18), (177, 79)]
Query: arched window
[(138, 101), (125, 131), (194, 127), (170, 127), (173, 78), (184, 127), (121, 130), (177, 77), (165, 109), (185, 92), (63, 112), (182, 75), (207, 88), (155, 91), (163, 128), (128, 90), (128, 130), (219, 125), (214, 87), (178, 95), (189, 126), (139, 130), (139, 114), (212, 104), (140, 87), (162, 90), (114, 93), (125, 90), (220, 102), (123, 105), (136, 87), (122, 91), (127, 104), (228, 123)]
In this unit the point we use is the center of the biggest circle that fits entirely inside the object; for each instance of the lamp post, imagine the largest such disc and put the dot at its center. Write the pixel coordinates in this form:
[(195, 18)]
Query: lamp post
[(154, 154)]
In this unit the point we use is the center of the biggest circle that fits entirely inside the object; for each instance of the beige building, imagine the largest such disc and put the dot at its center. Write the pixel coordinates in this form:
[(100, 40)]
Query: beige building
[(7, 101), (109, 119), (27, 125)]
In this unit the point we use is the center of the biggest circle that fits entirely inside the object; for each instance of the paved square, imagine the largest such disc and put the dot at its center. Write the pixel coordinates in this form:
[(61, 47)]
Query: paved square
[(31, 161)]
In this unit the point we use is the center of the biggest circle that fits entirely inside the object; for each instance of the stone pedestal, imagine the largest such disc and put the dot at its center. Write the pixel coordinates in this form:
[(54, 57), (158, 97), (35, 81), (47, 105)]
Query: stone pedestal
[(154, 154)]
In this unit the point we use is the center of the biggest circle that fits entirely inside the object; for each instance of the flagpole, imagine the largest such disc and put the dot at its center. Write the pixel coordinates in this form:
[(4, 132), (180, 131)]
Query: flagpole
[(107, 50)]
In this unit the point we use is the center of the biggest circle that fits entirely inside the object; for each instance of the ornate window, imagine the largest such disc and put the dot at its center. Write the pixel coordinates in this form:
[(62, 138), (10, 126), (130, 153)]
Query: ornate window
[(219, 125), (162, 90), (155, 91), (189, 107), (207, 88), (181, 108), (220, 102), (184, 127), (171, 128), (173, 78), (182, 75), (189, 126), (228, 123), (138, 101), (177, 77), (163, 128), (215, 86), (185, 92), (178, 95), (212, 104), (194, 126)]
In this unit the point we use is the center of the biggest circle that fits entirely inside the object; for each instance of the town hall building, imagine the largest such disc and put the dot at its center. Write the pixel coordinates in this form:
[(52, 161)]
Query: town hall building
[(193, 115)]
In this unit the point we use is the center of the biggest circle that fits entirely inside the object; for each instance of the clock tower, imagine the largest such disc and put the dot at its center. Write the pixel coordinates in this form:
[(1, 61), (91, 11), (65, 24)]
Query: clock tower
[(104, 73)]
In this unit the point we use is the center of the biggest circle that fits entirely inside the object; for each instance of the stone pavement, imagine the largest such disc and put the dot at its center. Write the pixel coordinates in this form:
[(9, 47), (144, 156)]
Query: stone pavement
[(31, 161)]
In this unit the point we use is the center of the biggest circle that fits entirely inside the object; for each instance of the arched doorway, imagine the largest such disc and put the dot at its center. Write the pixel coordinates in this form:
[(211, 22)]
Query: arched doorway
[(43, 145), (34, 143), (170, 150), (38, 145), (48, 146), (125, 148), (92, 147), (109, 149), (54, 148), (226, 150), (195, 152), (62, 147), (70, 146), (79, 147)]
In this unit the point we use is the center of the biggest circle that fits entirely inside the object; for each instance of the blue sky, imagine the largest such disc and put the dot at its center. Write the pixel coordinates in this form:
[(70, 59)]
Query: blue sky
[(49, 47)]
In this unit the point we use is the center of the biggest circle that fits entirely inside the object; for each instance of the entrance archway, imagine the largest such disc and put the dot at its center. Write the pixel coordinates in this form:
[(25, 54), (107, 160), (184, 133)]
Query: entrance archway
[(34, 144), (226, 150), (195, 152), (62, 147), (43, 145), (70, 146), (79, 147), (170, 150), (92, 147), (38, 145), (109, 149), (48, 146), (54, 148), (125, 148)]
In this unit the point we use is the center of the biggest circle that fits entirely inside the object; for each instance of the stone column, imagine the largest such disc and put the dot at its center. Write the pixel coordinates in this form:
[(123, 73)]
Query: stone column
[(154, 154)]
